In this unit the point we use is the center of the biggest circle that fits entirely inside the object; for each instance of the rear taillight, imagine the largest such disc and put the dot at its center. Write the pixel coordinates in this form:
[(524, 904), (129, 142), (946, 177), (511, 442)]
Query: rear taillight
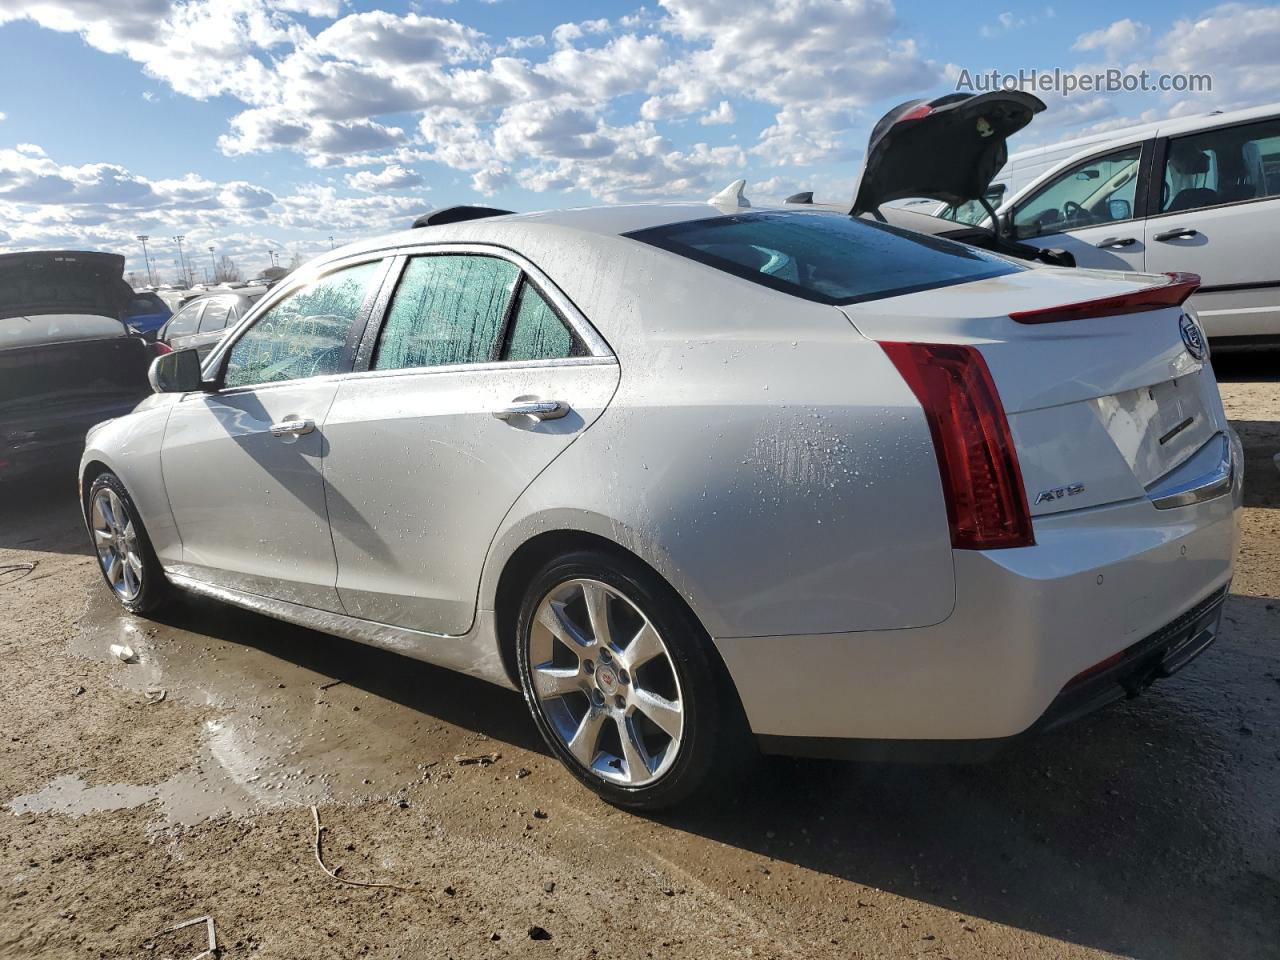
[(986, 503), (918, 112), (160, 349)]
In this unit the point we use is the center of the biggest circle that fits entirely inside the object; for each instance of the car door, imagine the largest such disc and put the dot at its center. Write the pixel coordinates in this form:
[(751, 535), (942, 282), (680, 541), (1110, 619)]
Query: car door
[(182, 326), (1092, 209), (1216, 205), (242, 463), (479, 376)]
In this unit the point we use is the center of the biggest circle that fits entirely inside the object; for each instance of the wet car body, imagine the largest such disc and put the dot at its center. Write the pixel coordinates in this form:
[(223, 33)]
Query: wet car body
[(68, 360), (894, 492)]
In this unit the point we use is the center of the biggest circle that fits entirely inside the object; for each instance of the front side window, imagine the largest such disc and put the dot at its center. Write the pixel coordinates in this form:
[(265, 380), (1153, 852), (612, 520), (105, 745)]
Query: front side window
[(826, 257), (185, 320), (447, 309), (1098, 191), (537, 332), (306, 333), (1222, 166)]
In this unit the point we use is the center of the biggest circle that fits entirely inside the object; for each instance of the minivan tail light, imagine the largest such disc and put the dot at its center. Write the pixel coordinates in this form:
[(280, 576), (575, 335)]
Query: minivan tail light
[(1172, 293), (981, 479), (160, 349)]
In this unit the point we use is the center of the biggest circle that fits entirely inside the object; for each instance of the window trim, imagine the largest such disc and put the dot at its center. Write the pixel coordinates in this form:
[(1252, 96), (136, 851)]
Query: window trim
[(215, 366), (1141, 193), (598, 349)]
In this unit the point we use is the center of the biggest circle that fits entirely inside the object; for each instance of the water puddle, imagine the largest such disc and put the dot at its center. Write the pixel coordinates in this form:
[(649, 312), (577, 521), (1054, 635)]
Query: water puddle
[(298, 717)]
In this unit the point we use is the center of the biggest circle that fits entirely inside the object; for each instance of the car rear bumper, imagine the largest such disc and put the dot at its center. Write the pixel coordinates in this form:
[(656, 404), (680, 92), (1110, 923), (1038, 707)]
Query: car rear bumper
[(1107, 593)]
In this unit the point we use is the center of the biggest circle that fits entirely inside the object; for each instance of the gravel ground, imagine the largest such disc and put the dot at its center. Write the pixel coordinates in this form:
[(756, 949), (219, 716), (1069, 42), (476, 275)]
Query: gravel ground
[(1151, 829)]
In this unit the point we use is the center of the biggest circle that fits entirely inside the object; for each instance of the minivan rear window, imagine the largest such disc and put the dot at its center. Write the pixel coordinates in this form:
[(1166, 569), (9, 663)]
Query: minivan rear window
[(827, 257)]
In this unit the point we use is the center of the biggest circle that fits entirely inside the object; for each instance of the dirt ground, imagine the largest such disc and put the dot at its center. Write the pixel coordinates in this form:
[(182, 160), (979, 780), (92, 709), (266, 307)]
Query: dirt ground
[(1151, 829)]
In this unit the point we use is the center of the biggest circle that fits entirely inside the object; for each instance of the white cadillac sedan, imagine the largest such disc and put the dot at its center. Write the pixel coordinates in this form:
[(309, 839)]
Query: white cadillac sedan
[(693, 478)]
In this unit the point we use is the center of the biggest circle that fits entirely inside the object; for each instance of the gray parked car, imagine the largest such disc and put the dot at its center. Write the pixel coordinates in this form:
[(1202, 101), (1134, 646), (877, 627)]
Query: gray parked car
[(202, 322)]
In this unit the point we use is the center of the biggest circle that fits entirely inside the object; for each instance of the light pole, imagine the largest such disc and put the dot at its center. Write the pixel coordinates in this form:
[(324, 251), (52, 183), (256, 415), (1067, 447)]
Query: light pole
[(142, 238), (213, 265), (331, 243), (186, 277)]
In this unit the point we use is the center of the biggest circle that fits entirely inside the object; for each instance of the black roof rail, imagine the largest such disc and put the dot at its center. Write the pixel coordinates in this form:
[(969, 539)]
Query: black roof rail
[(457, 215), (805, 197)]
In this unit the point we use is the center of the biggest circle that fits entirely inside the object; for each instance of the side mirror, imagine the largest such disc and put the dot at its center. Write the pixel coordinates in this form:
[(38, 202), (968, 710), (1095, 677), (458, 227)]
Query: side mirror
[(177, 372), (1119, 209)]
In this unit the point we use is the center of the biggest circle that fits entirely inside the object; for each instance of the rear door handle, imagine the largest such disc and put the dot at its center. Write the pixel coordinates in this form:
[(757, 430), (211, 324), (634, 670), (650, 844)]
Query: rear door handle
[(1115, 242), (537, 409), (1179, 233), (294, 427)]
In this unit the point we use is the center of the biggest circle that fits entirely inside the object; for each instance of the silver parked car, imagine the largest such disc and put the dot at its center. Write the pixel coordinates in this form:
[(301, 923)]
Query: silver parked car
[(202, 323), (691, 476)]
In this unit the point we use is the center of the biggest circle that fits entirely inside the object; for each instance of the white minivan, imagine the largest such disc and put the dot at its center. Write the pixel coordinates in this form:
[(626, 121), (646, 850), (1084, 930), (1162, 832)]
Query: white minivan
[(1198, 195)]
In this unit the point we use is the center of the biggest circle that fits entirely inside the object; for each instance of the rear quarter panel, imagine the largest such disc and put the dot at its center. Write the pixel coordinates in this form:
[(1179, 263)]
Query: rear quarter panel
[(759, 453)]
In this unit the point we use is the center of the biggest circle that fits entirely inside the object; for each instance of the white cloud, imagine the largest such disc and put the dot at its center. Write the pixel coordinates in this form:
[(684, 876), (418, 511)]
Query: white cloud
[(391, 177), (721, 114), (47, 205), (1114, 39)]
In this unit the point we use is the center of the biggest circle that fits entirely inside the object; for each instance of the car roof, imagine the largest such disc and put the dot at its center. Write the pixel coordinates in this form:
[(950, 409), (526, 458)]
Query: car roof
[(609, 220)]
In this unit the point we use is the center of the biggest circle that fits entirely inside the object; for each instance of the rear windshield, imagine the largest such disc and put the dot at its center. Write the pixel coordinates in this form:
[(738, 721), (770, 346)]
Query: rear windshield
[(827, 257), (56, 328)]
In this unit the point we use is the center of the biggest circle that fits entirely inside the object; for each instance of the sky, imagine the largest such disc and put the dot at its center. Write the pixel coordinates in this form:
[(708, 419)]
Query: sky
[(252, 126)]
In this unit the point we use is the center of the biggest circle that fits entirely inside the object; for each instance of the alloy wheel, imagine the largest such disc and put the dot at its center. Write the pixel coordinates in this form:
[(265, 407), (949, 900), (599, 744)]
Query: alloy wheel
[(116, 540), (605, 681)]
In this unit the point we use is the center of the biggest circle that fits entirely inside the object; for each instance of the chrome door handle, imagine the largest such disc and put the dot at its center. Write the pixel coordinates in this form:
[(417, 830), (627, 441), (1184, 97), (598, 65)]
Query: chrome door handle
[(292, 428), (1115, 242), (1179, 233), (537, 409)]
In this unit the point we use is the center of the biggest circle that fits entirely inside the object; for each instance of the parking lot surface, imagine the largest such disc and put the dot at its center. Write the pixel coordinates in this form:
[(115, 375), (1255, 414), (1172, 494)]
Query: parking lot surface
[(135, 796)]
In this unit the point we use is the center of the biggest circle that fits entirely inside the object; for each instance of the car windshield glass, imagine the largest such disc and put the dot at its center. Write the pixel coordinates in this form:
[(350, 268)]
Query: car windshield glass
[(827, 257)]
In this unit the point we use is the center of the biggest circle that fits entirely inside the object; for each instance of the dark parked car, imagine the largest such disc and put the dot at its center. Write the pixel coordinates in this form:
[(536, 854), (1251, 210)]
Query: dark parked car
[(68, 358), (202, 322)]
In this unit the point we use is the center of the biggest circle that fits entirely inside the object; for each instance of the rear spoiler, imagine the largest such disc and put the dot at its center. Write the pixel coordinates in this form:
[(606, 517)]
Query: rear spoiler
[(1172, 293)]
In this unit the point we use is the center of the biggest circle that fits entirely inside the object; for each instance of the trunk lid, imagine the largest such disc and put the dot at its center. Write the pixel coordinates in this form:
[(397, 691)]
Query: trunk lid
[(949, 148), (64, 282), (1100, 407)]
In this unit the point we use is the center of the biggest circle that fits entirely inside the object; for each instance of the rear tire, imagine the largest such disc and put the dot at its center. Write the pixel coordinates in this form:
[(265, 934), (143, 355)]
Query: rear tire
[(125, 557), (623, 683)]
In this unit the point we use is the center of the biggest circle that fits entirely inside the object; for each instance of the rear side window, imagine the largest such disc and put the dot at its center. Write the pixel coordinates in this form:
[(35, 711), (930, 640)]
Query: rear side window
[(537, 332), (185, 320), (1222, 166), (447, 309), (829, 258), (215, 316)]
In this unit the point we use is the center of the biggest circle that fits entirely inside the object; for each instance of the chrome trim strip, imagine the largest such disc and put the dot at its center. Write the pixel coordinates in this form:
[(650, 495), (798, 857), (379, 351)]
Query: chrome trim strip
[(488, 367), (1215, 482)]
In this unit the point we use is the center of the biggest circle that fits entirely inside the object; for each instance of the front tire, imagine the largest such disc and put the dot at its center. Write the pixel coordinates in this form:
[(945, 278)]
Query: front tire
[(120, 542), (622, 682)]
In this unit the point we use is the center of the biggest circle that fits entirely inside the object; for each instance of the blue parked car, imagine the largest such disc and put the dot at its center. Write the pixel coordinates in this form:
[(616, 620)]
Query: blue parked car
[(147, 313)]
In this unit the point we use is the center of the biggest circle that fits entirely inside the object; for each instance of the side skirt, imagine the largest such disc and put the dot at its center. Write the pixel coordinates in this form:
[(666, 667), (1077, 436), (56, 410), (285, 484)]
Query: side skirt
[(475, 654)]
